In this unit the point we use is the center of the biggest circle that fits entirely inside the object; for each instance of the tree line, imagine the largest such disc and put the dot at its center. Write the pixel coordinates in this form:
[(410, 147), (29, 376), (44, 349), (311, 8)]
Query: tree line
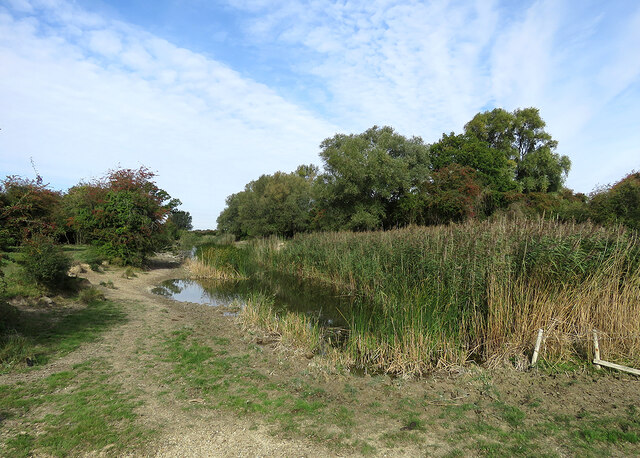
[(379, 179), (124, 214)]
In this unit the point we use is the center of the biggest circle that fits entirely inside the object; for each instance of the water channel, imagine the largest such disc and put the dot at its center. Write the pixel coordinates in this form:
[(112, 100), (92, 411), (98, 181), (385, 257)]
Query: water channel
[(288, 292)]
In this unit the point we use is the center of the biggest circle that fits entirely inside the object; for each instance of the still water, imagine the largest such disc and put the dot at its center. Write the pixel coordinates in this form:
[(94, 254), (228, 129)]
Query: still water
[(288, 293)]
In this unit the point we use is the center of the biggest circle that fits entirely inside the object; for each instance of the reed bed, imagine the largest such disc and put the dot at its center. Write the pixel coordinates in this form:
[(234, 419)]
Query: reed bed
[(292, 330), (218, 262), (433, 297)]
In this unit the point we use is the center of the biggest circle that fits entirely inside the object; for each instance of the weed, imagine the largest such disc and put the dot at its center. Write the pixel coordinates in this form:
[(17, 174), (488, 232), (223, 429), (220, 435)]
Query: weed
[(444, 295), (91, 294), (129, 272)]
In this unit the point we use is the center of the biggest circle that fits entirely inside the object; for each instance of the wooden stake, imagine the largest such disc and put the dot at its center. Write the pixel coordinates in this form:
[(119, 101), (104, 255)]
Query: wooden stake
[(534, 358), (596, 349), (631, 370)]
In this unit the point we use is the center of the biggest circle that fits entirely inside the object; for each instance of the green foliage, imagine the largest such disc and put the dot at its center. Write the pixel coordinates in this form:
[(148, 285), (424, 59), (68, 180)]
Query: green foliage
[(181, 219), (366, 176), (27, 207), (493, 167), (452, 194), (272, 204), (123, 214), (379, 179), (618, 204), (45, 263), (521, 137)]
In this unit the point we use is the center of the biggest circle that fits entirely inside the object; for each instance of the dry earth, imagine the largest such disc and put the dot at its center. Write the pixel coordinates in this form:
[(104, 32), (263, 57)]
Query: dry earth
[(184, 431)]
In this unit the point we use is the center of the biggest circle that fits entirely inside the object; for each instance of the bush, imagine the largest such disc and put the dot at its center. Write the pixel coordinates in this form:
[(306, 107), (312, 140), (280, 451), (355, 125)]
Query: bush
[(91, 295), (44, 262)]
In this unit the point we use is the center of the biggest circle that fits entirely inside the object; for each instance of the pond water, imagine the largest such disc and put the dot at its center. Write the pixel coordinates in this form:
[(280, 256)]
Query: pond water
[(288, 292)]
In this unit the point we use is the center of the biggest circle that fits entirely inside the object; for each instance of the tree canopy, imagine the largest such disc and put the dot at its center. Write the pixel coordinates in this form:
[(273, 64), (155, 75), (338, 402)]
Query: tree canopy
[(125, 214), (366, 176), (521, 137), (380, 179), (272, 204)]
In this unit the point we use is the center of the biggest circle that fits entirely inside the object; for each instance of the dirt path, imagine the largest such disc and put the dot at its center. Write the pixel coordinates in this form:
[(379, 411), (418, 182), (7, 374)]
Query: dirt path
[(129, 348)]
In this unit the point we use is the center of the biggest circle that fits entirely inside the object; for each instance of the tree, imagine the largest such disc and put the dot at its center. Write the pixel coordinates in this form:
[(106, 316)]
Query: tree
[(229, 219), (494, 169), (123, 213), (451, 195), (272, 204), (27, 207), (366, 176), (619, 203), (182, 220), (521, 137)]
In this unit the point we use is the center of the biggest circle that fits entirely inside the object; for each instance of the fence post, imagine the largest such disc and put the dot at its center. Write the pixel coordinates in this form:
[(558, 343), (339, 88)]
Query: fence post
[(596, 349), (534, 358)]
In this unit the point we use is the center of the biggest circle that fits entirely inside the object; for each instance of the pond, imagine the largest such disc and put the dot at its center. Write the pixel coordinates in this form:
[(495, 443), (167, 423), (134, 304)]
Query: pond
[(292, 293)]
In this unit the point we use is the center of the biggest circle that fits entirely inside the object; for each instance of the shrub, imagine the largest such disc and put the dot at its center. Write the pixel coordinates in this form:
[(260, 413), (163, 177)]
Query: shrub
[(44, 262), (91, 295)]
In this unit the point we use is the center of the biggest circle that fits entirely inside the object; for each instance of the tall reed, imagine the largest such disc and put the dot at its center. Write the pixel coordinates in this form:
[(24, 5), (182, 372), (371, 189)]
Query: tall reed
[(220, 262), (439, 296)]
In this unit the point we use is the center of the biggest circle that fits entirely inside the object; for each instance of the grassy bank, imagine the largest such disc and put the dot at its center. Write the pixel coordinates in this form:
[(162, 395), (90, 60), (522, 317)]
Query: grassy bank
[(439, 296)]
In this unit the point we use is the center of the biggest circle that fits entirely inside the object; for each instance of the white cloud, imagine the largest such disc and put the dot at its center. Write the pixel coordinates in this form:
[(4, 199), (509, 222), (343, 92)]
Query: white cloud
[(118, 95), (428, 67), (81, 92), (105, 42)]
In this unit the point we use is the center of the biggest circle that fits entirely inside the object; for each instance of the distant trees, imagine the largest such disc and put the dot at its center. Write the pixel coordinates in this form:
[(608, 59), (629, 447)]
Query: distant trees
[(181, 220), (380, 179), (124, 214)]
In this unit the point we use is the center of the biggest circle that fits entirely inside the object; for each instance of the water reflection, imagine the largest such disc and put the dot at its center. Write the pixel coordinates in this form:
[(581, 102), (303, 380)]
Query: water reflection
[(288, 293), (191, 291)]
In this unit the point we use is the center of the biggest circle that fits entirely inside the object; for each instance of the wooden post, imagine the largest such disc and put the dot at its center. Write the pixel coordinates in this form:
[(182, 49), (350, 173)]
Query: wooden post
[(596, 349), (619, 367), (534, 358)]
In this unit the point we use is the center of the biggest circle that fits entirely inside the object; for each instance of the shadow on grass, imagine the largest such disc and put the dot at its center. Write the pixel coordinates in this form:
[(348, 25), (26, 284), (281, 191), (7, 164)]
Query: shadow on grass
[(33, 337)]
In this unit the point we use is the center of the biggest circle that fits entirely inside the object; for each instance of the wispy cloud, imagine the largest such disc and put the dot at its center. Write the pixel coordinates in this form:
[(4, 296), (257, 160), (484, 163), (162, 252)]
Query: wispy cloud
[(82, 94), (428, 67)]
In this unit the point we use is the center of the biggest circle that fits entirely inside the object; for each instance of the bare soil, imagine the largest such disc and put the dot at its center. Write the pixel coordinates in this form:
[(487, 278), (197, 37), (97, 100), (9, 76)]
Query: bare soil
[(184, 431)]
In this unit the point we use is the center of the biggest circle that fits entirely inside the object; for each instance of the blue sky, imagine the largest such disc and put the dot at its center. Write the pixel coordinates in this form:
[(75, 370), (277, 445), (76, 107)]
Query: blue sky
[(212, 94)]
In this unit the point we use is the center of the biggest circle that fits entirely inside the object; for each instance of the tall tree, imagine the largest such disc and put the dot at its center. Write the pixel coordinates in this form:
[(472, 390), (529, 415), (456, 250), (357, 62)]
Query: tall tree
[(521, 137), (366, 176), (272, 204), (493, 167)]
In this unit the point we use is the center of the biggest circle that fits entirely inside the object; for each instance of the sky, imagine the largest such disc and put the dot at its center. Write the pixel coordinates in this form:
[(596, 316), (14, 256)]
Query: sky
[(211, 94)]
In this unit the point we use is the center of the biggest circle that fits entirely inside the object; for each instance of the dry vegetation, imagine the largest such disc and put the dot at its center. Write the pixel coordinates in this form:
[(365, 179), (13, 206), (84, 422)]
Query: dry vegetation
[(442, 296)]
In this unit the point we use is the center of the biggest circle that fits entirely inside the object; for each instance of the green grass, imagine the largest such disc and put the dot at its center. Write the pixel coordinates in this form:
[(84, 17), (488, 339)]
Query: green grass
[(85, 254), (41, 335), (13, 283), (68, 413), (226, 381)]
